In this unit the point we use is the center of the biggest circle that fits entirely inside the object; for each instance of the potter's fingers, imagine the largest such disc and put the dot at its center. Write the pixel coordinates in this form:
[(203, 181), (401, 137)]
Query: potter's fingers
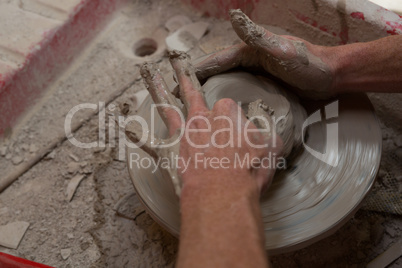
[(134, 133), (220, 61), (190, 88), (231, 111), (176, 92), (167, 104), (259, 38), (264, 178)]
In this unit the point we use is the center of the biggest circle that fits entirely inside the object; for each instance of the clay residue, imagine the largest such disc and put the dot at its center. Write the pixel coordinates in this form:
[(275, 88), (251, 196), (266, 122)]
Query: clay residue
[(158, 89), (185, 73), (38, 196), (260, 114), (247, 30), (280, 105), (289, 60)]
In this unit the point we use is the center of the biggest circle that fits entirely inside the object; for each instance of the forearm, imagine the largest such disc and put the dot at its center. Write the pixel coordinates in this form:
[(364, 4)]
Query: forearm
[(368, 67), (221, 227)]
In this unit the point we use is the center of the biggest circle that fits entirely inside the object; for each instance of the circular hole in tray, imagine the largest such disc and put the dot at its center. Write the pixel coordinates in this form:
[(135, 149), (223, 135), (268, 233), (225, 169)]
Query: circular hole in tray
[(145, 47)]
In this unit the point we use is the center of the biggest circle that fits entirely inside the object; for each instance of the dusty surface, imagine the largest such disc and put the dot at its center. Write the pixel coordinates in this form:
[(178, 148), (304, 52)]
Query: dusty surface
[(87, 232)]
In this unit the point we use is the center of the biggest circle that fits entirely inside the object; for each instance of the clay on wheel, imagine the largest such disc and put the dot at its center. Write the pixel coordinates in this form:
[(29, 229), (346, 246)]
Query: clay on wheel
[(245, 88), (305, 202)]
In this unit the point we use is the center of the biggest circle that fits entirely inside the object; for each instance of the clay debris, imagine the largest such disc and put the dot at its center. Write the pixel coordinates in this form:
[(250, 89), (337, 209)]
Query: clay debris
[(186, 37), (73, 185), (12, 234)]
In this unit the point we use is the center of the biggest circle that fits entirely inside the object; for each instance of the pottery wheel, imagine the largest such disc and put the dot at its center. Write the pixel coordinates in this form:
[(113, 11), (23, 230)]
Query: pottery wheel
[(307, 201)]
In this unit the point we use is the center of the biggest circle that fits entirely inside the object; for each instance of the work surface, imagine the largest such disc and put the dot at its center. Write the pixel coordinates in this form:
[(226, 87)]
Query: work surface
[(104, 225)]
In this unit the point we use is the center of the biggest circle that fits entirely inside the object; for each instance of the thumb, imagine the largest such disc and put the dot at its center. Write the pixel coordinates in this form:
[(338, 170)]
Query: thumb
[(259, 38), (251, 33)]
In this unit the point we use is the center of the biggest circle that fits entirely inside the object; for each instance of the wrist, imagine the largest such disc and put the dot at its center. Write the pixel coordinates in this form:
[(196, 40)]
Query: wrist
[(212, 205), (208, 188), (339, 64), (219, 217), (334, 58), (343, 62)]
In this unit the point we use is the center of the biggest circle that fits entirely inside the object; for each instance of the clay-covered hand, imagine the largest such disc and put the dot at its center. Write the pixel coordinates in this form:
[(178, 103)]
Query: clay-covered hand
[(211, 141), (305, 66)]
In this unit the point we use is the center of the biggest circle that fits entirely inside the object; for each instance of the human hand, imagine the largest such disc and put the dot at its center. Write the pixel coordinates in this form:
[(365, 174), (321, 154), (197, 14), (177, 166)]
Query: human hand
[(213, 140), (307, 67)]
